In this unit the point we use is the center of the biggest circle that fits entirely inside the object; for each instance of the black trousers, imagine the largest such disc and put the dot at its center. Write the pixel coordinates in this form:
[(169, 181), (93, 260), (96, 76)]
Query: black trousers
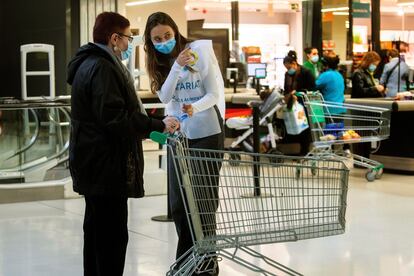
[(105, 235), (178, 213)]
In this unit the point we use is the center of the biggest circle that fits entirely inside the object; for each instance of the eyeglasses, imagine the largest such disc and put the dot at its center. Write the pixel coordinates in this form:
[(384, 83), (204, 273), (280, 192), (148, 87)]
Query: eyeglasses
[(130, 38)]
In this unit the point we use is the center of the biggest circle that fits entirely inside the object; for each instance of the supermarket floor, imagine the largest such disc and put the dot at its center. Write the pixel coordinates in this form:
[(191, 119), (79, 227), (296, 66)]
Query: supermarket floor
[(45, 238)]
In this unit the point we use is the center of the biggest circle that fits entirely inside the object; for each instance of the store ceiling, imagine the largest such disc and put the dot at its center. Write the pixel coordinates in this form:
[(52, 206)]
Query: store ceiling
[(387, 6), (244, 5)]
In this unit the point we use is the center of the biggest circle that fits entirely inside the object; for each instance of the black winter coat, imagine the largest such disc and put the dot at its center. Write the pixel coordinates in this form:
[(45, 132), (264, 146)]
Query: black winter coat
[(302, 81), (105, 153), (363, 85)]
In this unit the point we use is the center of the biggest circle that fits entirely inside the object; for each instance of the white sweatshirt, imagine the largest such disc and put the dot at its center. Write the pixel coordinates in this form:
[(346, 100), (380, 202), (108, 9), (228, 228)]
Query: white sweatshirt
[(203, 89)]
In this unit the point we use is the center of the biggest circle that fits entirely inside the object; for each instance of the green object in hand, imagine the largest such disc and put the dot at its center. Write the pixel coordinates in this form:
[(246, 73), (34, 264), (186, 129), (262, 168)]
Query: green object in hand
[(160, 138)]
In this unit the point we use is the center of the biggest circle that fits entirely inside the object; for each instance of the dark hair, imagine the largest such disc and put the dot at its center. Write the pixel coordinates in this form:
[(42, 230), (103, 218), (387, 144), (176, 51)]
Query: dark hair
[(106, 24), (158, 64), (291, 58), (331, 60), (393, 53), (308, 50), (383, 53)]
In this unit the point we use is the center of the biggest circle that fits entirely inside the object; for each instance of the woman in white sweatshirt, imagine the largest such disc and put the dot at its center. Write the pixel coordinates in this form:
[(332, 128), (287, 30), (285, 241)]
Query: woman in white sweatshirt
[(186, 76)]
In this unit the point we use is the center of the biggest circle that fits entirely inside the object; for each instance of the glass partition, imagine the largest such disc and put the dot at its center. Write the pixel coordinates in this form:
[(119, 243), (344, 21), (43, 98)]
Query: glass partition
[(34, 141)]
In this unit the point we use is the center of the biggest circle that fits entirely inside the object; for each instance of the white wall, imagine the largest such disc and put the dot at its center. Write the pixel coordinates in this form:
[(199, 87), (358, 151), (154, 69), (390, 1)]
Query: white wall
[(394, 22), (296, 36), (244, 17), (339, 33), (293, 19), (138, 15)]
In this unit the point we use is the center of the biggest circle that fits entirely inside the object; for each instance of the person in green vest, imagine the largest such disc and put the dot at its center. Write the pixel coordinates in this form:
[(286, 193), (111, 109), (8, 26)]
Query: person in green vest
[(313, 63)]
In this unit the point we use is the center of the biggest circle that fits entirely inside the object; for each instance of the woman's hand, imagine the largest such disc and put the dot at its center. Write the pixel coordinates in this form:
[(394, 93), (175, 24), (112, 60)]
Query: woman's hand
[(290, 99), (171, 124), (185, 57), (188, 108), (380, 88)]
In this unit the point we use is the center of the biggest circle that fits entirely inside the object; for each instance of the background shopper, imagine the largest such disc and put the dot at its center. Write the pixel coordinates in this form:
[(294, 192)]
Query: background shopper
[(364, 86), (392, 73), (331, 83), (332, 86), (363, 83), (313, 62), (297, 79)]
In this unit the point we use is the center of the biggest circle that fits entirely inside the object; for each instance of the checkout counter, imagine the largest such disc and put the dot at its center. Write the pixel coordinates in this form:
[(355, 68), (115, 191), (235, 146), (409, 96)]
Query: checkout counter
[(397, 152)]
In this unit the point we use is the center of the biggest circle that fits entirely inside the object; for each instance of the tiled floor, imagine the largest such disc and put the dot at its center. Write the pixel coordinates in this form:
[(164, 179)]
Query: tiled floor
[(45, 238)]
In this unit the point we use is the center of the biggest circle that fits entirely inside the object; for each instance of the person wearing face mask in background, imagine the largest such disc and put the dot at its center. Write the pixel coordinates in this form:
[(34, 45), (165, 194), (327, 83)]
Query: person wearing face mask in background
[(106, 159), (313, 63), (186, 76), (391, 73), (363, 83), (364, 86), (297, 79)]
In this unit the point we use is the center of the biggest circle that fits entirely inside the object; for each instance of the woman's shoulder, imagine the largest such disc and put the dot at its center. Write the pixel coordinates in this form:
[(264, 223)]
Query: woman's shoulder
[(202, 45)]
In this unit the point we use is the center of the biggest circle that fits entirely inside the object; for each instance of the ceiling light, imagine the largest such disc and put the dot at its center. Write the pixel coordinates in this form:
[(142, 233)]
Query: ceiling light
[(335, 9), (143, 2), (405, 4), (340, 13)]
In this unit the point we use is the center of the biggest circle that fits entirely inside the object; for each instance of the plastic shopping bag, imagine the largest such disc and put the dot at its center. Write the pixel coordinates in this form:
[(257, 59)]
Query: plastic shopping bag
[(295, 119)]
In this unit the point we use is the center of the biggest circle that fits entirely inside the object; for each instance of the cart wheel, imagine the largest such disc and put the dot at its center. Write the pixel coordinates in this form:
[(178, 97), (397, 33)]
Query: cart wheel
[(234, 159), (379, 173), (275, 159), (370, 175)]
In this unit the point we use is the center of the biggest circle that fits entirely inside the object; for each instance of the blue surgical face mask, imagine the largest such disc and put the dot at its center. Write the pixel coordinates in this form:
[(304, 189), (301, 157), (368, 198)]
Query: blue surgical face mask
[(291, 71), (372, 67), (127, 53), (315, 59), (165, 47)]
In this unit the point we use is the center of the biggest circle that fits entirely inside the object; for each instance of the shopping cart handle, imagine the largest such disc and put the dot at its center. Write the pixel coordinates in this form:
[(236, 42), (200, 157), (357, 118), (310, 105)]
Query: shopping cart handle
[(159, 137)]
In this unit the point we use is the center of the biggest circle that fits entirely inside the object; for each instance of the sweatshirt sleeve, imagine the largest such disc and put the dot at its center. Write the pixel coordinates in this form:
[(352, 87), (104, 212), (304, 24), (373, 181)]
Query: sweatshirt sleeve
[(166, 92), (207, 63)]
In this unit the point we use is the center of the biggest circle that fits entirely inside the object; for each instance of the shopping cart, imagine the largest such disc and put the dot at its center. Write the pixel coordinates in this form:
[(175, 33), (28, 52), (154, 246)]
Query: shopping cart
[(335, 124), (257, 202)]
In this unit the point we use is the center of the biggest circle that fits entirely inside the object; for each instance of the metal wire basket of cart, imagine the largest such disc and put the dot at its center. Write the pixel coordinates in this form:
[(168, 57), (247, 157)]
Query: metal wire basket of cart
[(334, 124), (231, 208)]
